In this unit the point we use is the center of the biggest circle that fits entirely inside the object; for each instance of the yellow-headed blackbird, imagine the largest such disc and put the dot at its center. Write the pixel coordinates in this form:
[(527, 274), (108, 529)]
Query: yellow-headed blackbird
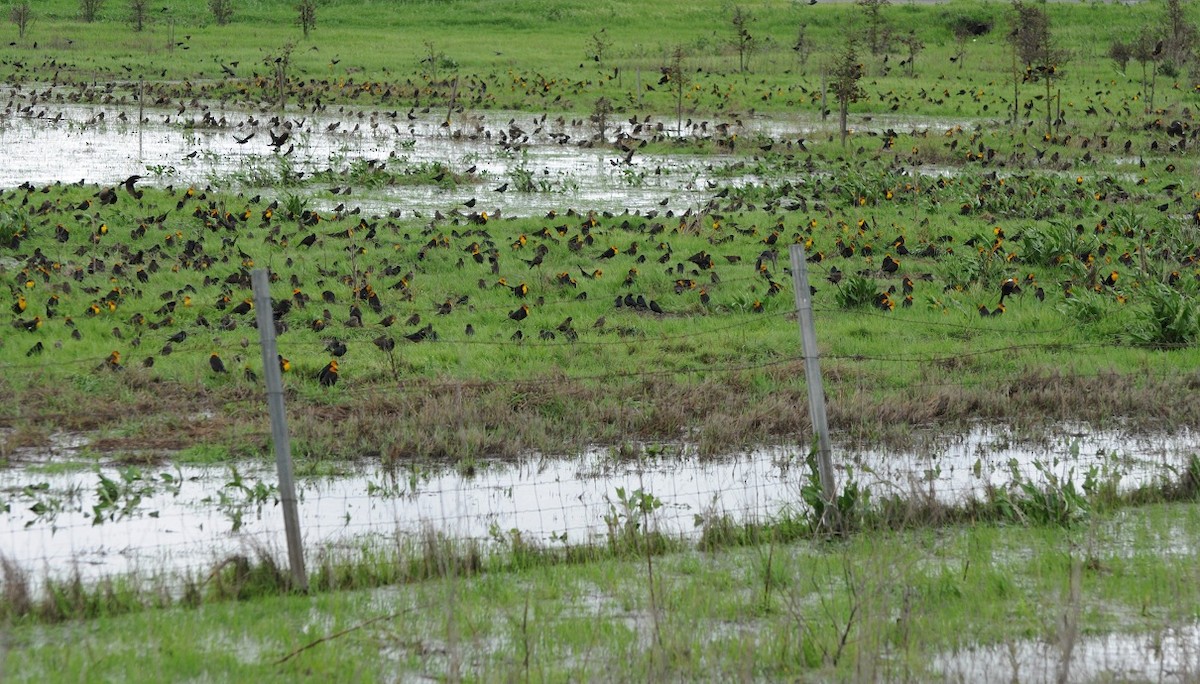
[(29, 325), (243, 307), (18, 306), (216, 363), (113, 362), (284, 364), (329, 374), (609, 253), (889, 264), (520, 314)]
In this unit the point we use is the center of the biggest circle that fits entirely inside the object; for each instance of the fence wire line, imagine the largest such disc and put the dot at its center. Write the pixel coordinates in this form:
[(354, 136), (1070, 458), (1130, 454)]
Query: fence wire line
[(580, 506)]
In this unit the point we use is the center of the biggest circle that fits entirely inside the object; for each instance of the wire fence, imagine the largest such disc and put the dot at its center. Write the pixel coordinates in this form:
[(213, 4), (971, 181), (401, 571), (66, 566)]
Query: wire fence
[(160, 523)]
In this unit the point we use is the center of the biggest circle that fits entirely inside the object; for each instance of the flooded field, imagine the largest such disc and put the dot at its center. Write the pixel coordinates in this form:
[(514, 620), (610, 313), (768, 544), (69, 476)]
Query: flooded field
[(547, 163), (111, 519)]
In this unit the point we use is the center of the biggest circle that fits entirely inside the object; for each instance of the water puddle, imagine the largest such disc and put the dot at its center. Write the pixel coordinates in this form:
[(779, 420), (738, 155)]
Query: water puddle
[(149, 520), (1169, 655)]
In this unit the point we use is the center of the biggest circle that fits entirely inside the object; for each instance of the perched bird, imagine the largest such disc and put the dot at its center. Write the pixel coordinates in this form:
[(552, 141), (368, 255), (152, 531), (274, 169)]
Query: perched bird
[(1009, 287), (113, 362), (329, 374), (336, 347)]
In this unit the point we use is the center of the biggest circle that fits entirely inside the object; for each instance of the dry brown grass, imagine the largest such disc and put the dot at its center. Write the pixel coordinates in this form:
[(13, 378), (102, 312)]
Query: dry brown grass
[(450, 421)]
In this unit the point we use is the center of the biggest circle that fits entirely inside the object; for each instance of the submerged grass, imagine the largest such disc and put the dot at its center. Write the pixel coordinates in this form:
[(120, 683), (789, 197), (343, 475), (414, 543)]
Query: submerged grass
[(782, 608)]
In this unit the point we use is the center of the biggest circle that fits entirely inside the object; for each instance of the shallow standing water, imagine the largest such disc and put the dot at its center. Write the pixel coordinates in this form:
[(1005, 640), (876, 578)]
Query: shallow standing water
[(114, 520), (50, 142)]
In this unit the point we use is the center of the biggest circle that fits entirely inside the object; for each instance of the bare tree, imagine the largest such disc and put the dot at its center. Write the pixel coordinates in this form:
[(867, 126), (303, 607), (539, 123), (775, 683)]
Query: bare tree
[(743, 42), (21, 15), (89, 9), (1147, 49), (1179, 34), (307, 15), (1120, 52), (674, 75), (137, 13), (914, 46), (598, 45), (803, 46), (1033, 47), (877, 28), (222, 11), (847, 71)]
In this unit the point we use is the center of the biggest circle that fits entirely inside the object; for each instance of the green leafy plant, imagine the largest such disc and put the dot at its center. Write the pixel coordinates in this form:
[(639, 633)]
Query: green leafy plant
[(1170, 318)]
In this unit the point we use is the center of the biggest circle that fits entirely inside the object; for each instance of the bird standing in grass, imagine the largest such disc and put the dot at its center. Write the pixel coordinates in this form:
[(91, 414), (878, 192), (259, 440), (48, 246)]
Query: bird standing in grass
[(329, 374), (217, 365)]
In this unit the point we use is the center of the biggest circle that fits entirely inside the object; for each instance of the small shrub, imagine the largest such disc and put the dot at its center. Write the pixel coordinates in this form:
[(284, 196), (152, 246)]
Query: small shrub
[(307, 15), (1120, 52), (21, 15), (222, 11), (137, 13), (89, 9), (1170, 319), (855, 292), (968, 23)]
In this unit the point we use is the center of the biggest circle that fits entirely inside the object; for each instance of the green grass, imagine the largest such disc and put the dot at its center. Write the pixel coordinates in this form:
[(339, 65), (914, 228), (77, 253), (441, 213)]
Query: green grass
[(488, 42), (773, 611)]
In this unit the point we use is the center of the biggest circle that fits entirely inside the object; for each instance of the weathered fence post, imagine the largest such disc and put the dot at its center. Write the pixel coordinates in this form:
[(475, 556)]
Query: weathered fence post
[(812, 378), (279, 434)]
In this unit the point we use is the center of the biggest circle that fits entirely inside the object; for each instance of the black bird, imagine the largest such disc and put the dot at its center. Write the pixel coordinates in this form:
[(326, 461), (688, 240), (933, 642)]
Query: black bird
[(137, 194), (216, 363), (328, 375), (337, 348), (520, 314)]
